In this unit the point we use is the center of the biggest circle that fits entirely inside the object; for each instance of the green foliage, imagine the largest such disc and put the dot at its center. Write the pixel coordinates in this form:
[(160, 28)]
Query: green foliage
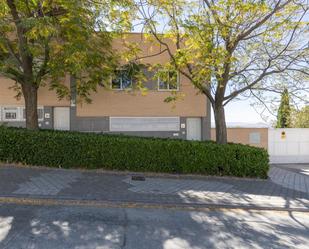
[(226, 42), (284, 111), (300, 119), (117, 152), (58, 38), (42, 42), (229, 48)]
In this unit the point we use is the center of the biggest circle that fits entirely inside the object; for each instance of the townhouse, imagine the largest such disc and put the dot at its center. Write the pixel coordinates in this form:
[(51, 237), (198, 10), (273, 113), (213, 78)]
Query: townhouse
[(121, 108)]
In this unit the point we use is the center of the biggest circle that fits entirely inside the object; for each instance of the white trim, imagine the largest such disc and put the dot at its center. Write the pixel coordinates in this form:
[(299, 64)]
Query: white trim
[(168, 90)]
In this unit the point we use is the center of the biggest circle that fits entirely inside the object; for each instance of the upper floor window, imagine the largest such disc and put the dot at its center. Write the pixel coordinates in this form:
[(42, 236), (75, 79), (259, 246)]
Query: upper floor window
[(122, 80), (168, 80)]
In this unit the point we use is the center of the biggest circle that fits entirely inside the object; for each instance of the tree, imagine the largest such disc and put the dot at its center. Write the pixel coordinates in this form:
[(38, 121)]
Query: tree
[(284, 111), (41, 41), (228, 48), (300, 119)]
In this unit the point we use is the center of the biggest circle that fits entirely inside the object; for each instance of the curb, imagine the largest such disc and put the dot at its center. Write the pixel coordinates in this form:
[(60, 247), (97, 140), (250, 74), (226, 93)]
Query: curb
[(126, 173), (145, 205)]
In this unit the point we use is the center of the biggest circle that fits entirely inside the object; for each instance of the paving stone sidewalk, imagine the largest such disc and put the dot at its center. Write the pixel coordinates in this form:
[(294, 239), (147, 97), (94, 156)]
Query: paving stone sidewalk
[(287, 187)]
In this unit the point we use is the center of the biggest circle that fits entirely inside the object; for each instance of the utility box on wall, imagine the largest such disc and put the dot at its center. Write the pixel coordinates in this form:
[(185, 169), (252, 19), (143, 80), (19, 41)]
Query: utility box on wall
[(283, 135)]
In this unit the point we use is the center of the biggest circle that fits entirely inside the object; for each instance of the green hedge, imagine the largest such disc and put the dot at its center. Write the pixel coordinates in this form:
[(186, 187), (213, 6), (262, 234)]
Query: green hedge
[(117, 152)]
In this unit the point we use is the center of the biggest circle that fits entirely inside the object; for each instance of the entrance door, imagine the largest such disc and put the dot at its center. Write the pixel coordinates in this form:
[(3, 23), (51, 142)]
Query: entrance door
[(194, 129), (62, 118)]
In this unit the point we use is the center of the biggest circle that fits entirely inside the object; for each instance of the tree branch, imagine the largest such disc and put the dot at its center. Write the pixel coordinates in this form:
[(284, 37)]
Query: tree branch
[(276, 8), (43, 69), (26, 58)]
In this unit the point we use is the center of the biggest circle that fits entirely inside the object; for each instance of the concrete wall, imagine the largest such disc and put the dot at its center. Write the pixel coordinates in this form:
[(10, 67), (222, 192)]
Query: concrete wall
[(242, 135)]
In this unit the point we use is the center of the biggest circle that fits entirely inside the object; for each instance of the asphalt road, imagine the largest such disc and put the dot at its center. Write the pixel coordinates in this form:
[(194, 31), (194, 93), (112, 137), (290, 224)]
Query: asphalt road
[(52, 227)]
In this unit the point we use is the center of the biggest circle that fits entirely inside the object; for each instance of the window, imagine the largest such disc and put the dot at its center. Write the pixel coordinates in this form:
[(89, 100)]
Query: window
[(255, 138), (10, 113), (122, 80), (40, 113), (168, 80), (18, 113)]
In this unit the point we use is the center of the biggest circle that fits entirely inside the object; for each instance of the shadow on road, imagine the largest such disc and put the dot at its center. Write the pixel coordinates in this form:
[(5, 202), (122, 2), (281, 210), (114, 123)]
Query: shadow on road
[(85, 227)]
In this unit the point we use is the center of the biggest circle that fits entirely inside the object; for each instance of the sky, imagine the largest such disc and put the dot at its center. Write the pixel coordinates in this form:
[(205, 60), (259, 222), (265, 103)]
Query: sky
[(242, 112)]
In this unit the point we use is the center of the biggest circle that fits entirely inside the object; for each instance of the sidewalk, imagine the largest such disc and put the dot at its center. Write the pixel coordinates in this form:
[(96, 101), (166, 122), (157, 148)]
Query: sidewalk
[(286, 189)]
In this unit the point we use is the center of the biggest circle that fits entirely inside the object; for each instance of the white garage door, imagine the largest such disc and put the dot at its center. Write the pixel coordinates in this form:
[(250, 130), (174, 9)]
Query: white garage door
[(144, 124), (288, 145), (194, 129), (62, 118)]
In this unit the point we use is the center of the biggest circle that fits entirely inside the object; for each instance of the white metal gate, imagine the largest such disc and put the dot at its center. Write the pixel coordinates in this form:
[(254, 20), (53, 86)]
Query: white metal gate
[(288, 145), (62, 118), (194, 128)]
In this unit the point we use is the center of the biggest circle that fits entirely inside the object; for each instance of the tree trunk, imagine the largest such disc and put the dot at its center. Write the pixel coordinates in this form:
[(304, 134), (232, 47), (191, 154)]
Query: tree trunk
[(30, 93), (221, 132)]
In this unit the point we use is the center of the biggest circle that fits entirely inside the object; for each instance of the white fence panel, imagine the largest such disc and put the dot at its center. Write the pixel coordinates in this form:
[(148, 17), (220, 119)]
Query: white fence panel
[(289, 145)]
